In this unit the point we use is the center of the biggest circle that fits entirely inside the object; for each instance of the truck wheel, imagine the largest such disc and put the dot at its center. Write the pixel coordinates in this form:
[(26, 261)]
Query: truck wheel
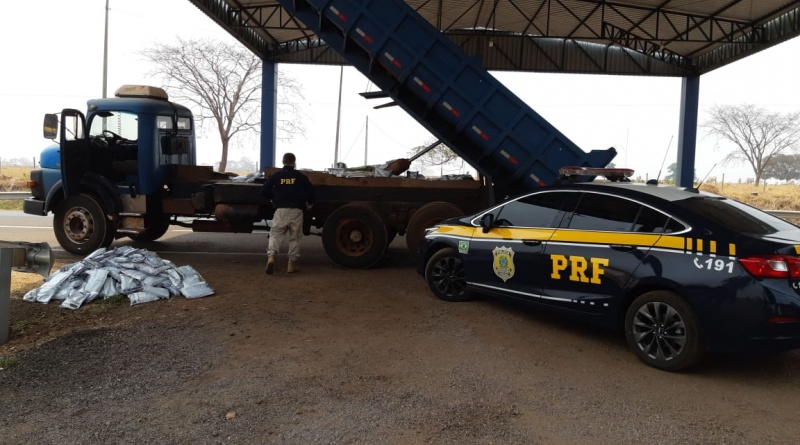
[(81, 226), (154, 232), (663, 331), (428, 215), (354, 236)]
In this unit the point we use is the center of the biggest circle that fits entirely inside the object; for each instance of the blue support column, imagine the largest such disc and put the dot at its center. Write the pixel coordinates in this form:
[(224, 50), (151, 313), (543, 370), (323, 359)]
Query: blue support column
[(687, 133), (269, 113)]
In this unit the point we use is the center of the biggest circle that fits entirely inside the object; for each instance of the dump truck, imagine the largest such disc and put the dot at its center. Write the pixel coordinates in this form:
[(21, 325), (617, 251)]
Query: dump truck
[(127, 168)]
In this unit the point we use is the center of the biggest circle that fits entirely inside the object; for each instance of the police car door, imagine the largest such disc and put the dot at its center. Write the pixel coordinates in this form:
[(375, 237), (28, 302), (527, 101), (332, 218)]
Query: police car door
[(592, 256), (506, 257)]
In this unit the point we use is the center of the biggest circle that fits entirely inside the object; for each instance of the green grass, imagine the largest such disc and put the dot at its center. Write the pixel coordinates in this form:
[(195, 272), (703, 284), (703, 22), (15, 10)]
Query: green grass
[(11, 204), (114, 301), (7, 362), (19, 325)]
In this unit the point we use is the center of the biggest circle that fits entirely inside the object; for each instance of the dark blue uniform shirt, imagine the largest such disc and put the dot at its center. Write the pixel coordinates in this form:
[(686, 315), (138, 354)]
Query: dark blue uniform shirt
[(289, 189)]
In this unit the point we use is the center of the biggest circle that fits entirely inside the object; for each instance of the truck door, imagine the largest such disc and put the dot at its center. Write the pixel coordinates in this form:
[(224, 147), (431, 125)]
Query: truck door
[(508, 259), (74, 150), (599, 246)]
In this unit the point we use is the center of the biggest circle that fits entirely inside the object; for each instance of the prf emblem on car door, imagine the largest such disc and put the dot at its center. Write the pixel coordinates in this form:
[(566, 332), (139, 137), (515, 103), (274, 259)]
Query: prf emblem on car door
[(503, 263)]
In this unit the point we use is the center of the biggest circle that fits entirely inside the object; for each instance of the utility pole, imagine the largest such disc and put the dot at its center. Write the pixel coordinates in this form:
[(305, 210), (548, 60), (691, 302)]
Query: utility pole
[(105, 57), (338, 119)]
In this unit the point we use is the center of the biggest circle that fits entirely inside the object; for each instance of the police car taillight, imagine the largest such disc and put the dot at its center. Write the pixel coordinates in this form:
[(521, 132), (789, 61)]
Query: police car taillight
[(772, 266)]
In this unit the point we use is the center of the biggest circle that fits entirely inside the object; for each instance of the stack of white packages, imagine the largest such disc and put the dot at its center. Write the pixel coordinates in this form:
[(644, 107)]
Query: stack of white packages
[(139, 274)]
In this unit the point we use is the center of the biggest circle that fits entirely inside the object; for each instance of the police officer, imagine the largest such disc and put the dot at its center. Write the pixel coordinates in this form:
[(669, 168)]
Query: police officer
[(291, 192)]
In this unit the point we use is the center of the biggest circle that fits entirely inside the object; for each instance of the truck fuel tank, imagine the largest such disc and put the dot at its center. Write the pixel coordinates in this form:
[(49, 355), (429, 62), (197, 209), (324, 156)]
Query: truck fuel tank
[(237, 213)]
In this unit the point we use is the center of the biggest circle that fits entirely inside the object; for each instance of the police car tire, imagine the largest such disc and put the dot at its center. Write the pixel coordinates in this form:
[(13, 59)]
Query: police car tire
[(426, 216), (341, 249), (672, 310), (444, 274), (101, 234)]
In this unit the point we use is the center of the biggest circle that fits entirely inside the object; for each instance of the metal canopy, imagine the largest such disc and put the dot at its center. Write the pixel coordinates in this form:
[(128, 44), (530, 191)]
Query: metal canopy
[(636, 37)]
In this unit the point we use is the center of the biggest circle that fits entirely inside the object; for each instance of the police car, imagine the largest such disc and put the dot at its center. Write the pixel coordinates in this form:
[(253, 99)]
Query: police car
[(681, 271)]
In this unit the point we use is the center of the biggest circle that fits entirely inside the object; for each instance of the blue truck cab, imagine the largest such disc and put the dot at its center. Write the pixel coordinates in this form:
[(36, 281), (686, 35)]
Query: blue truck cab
[(104, 176)]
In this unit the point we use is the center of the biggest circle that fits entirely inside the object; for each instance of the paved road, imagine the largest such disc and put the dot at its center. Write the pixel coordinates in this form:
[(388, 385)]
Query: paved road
[(18, 226)]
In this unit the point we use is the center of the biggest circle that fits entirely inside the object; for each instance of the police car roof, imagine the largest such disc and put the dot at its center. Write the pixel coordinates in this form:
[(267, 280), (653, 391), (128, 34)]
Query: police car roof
[(665, 192)]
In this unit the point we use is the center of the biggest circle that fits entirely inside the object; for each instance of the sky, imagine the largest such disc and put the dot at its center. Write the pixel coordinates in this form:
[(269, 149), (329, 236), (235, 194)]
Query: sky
[(54, 60)]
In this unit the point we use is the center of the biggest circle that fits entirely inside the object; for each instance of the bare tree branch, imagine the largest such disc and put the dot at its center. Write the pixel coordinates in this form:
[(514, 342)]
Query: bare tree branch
[(222, 84), (439, 156), (757, 134)]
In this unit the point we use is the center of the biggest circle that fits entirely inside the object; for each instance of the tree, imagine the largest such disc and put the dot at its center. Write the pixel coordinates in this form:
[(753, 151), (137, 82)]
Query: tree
[(784, 167), (222, 83), (440, 155), (757, 134), (672, 169)]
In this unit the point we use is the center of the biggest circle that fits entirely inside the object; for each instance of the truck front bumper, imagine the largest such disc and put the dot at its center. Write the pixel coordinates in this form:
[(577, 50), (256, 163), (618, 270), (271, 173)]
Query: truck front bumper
[(33, 206)]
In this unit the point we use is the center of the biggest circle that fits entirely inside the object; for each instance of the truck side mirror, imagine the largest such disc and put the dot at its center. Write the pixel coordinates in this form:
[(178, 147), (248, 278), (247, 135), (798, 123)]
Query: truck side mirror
[(487, 221), (50, 126)]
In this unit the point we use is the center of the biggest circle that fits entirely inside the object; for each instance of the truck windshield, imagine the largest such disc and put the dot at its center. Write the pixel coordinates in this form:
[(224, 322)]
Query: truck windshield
[(116, 123)]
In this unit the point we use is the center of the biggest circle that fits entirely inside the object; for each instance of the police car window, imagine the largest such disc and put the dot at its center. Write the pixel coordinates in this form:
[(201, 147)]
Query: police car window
[(674, 227), (735, 216), (604, 213), (537, 210), (650, 221)]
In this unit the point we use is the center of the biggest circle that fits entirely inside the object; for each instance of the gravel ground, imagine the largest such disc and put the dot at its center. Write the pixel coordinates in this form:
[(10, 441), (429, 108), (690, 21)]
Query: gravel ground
[(334, 356)]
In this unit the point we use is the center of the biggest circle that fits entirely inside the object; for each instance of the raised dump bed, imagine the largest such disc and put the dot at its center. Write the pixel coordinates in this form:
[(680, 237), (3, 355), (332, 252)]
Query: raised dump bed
[(446, 91)]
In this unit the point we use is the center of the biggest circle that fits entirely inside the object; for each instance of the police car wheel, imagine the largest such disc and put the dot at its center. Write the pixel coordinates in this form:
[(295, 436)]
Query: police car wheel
[(81, 226), (445, 276), (663, 331)]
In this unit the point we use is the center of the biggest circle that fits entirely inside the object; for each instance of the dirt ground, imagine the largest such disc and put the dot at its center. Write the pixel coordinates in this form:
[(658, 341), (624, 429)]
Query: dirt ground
[(330, 355)]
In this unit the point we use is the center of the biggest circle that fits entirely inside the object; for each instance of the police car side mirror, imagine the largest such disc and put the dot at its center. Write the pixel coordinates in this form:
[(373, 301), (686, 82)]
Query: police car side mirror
[(487, 221)]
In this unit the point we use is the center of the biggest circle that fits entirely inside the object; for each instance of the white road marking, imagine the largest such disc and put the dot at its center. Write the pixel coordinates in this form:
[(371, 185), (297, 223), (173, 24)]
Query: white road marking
[(26, 227)]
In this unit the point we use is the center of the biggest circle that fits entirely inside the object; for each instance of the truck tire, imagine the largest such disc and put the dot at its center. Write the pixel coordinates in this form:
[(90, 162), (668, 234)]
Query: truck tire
[(154, 232), (428, 215), (354, 236), (81, 225)]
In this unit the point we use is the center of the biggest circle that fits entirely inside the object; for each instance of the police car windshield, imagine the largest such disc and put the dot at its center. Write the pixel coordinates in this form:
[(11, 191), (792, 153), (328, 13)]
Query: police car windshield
[(735, 216)]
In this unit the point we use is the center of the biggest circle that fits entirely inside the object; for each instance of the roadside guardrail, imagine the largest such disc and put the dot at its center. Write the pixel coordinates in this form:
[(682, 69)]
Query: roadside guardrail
[(13, 195), (785, 214)]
